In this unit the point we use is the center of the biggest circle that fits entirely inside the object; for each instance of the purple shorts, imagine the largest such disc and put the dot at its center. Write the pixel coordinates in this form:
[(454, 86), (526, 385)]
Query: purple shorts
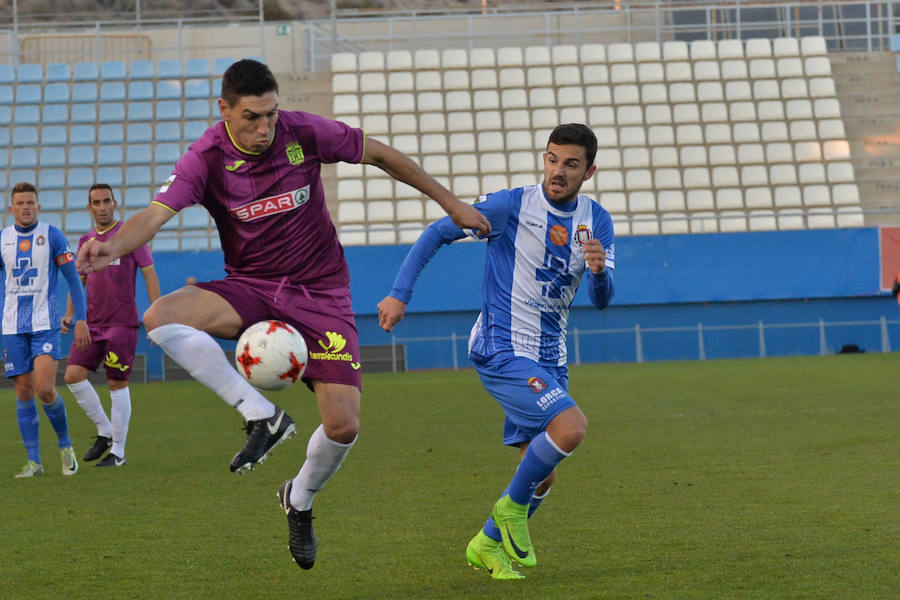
[(323, 317), (113, 346)]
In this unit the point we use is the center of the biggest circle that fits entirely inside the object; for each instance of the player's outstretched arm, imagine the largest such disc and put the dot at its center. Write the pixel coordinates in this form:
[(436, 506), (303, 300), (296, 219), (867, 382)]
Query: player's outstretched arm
[(390, 312), (135, 232), (402, 168)]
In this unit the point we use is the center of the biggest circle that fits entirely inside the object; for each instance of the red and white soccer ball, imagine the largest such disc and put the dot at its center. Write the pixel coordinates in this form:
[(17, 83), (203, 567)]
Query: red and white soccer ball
[(271, 355)]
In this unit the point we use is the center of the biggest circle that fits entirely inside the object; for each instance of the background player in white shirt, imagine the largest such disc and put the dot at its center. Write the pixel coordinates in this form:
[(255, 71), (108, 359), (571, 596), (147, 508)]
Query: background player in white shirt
[(545, 239), (33, 255)]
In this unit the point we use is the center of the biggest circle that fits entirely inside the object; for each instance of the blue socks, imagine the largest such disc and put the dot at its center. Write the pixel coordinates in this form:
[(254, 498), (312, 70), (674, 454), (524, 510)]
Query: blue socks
[(56, 412), (27, 414), (539, 461)]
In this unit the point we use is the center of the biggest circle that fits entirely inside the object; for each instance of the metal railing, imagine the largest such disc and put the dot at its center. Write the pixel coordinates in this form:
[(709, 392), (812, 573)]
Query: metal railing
[(846, 25), (636, 344)]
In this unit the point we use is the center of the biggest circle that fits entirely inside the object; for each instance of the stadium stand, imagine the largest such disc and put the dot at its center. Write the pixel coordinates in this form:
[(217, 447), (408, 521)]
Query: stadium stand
[(712, 136)]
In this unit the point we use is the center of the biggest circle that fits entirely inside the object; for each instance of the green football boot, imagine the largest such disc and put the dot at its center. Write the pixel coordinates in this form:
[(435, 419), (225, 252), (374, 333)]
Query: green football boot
[(512, 520), (484, 553), (31, 469)]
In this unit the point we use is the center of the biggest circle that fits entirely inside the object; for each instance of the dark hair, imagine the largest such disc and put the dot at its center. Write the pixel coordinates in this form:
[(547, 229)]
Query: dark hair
[(247, 77), (101, 186), (23, 186), (577, 134)]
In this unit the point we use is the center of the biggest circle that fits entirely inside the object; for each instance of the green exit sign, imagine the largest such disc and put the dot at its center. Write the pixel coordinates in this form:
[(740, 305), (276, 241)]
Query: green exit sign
[(283, 30)]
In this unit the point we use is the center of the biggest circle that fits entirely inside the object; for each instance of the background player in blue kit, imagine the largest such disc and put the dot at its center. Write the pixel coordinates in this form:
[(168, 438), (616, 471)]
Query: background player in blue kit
[(33, 255), (544, 240)]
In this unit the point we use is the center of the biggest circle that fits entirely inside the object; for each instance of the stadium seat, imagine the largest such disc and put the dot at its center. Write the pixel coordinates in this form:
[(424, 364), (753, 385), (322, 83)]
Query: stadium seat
[(592, 53), (86, 71), (635, 157), (678, 71), (26, 115), (113, 70), (29, 94), (565, 54), (621, 73), (24, 136), (341, 62), (112, 112), (703, 50), (729, 49), (53, 156), (734, 70), (54, 135), (58, 72), (784, 174), (169, 89), (168, 110), (641, 201), (758, 47), (197, 88), (30, 73), (23, 158), (821, 87), (619, 52), (675, 50), (761, 68), (845, 194), (706, 70)]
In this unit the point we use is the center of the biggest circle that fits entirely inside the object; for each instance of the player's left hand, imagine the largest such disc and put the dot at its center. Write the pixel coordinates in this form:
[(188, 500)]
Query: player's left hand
[(467, 216), (64, 324), (390, 312), (594, 255), (82, 335)]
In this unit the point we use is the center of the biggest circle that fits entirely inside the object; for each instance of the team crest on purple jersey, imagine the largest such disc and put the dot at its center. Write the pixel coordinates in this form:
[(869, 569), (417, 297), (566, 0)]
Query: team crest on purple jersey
[(294, 152)]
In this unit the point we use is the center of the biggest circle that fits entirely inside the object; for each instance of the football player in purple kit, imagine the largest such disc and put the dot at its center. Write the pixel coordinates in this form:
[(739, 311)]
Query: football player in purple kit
[(113, 322), (257, 172)]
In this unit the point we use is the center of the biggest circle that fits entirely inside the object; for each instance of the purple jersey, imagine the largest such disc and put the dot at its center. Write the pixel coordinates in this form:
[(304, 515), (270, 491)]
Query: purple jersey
[(110, 292), (270, 207)]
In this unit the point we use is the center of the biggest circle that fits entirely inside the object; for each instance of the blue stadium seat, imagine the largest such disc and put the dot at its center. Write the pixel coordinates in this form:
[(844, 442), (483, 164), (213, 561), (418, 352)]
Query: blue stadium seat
[(111, 133), (161, 174), (110, 175), (53, 156), (82, 134), (168, 68), (6, 94), (110, 154), (78, 221), (196, 109), (137, 175), (5, 115), (168, 110), (54, 135), (27, 115), (55, 113), (30, 73), (87, 71), (84, 92), (194, 129), (23, 158), (216, 88), (140, 90), (137, 197), (84, 113), (112, 112), (168, 132), (51, 199), (29, 93), (168, 89), (138, 154), (196, 67), (80, 177), (25, 136), (4, 183), (197, 88), (140, 111), (50, 179), (58, 72), (17, 175), (7, 74), (112, 91), (4, 141), (51, 217), (166, 154), (141, 69), (56, 92), (220, 65), (77, 196), (140, 132), (81, 156), (113, 70), (195, 217)]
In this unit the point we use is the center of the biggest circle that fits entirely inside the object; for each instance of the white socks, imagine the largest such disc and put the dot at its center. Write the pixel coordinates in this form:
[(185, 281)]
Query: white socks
[(89, 402), (198, 353), (120, 411), (323, 459)]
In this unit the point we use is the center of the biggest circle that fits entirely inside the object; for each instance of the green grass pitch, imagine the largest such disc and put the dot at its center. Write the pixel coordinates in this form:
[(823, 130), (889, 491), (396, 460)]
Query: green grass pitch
[(767, 478)]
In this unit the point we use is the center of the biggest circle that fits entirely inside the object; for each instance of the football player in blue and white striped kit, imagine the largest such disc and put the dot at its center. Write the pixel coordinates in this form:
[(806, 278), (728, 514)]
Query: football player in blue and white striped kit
[(33, 254), (545, 240)]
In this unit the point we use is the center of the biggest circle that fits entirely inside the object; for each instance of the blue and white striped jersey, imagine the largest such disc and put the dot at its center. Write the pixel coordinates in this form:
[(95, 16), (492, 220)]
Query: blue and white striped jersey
[(534, 266), (31, 261)]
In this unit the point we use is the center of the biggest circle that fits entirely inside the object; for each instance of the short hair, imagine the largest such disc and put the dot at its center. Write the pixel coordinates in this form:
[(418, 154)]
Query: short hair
[(247, 77), (101, 186), (23, 186), (577, 134)]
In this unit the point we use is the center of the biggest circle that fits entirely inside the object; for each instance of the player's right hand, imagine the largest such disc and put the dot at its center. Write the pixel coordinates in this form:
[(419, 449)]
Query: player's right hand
[(390, 312), (92, 256), (64, 324)]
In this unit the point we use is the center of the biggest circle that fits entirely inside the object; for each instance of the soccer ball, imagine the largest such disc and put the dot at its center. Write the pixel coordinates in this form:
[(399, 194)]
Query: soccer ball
[(271, 355)]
